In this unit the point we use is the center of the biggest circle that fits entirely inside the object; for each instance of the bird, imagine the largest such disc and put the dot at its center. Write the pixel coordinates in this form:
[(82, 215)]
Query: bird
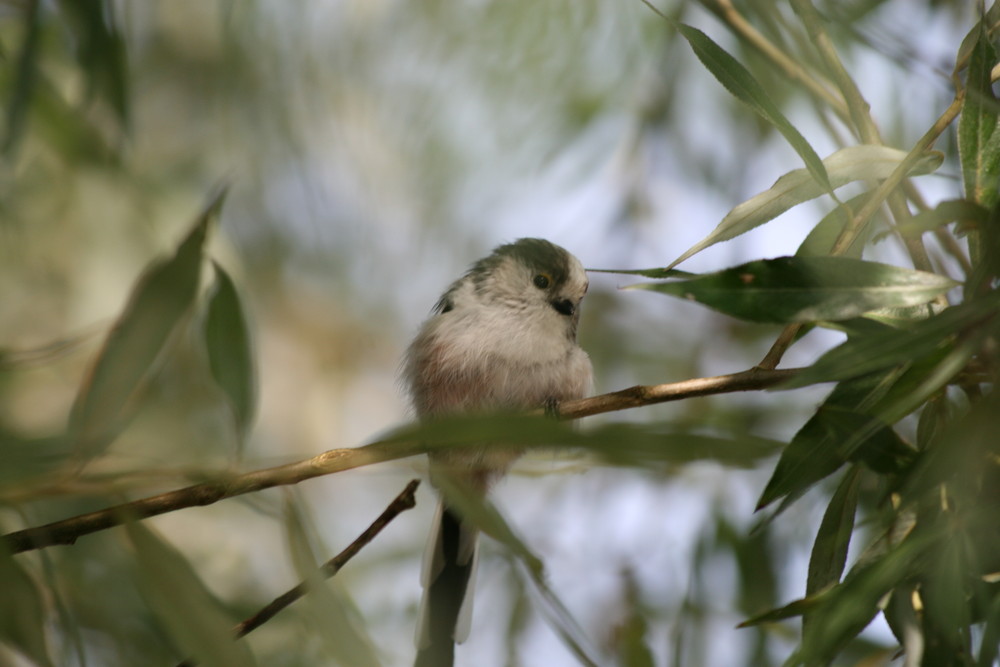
[(502, 338)]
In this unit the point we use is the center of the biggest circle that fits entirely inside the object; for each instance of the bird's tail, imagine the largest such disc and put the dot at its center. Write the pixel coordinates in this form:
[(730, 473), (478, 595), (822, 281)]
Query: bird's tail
[(448, 578)]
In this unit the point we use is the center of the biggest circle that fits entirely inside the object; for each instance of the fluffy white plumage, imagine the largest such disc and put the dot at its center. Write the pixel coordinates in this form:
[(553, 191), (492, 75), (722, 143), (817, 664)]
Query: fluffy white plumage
[(502, 338)]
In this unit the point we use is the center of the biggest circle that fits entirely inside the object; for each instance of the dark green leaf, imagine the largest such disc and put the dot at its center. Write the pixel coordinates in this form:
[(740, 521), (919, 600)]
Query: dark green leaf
[(959, 452), (840, 431), (890, 347), (189, 614), (619, 444), (903, 619), (854, 163), (230, 354), (978, 140), (839, 613), (946, 607), (847, 608), (159, 301), (935, 414), (741, 83), (829, 552), (807, 289), (756, 563), (927, 377), (100, 52), (790, 610), (23, 622)]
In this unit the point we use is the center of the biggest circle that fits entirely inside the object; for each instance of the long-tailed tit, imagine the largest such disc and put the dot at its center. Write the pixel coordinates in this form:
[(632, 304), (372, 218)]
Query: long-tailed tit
[(501, 338)]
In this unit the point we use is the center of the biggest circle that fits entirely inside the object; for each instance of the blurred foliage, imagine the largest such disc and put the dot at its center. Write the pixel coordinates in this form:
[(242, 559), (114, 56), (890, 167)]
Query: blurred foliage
[(361, 135)]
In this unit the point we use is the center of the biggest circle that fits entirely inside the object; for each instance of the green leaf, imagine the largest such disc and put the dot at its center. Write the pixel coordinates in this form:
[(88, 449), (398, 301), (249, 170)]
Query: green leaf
[(842, 430), (927, 377), (970, 214), (854, 163), (935, 414), (807, 289), (839, 613), (24, 460), (847, 608), (943, 592), (230, 353), (100, 52), (23, 623), (189, 614), (960, 451), (616, 443), (978, 140), (741, 83), (829, 552), (160, 299), (820, 241), (891, 347), (790, 610)]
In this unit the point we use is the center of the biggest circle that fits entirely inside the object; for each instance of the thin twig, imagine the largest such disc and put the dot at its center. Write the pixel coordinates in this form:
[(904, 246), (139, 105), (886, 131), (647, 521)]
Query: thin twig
[(404, 501), (67, 531), (780, 346)]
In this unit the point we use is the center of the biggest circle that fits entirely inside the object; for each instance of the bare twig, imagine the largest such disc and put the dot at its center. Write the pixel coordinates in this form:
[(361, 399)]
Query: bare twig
[(404, 501), (67, 531), (780, 346)]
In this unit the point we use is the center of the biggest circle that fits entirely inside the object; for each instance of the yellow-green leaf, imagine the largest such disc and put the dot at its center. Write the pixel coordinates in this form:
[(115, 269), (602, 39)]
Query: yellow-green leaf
[(855, 163)]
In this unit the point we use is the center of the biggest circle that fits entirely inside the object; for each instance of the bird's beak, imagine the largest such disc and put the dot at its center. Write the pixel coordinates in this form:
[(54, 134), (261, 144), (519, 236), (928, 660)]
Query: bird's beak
[(564, 306)]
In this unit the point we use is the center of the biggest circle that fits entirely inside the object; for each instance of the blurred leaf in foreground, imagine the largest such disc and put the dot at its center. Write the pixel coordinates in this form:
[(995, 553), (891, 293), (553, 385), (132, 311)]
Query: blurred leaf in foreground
[(186, 609), (230, 352), (159, 301)]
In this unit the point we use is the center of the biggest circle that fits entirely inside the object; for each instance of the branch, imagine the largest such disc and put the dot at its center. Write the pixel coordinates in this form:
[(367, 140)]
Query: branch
[(404, 501), (67, 531)]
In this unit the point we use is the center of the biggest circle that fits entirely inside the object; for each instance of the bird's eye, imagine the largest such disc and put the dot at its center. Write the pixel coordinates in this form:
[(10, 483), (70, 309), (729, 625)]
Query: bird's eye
[(542, 281)]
